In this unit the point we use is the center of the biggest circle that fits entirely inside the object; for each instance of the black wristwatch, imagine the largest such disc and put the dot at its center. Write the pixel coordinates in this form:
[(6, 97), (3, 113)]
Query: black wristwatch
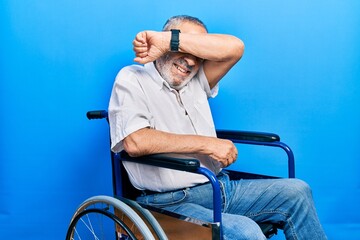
[(174, 42)]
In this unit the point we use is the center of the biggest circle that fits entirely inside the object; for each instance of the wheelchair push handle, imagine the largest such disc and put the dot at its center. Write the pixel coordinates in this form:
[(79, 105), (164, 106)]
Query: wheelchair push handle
[(98, 114)]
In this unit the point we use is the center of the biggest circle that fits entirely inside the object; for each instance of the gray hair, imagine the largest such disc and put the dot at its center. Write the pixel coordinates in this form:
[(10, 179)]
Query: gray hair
[(176, 20)]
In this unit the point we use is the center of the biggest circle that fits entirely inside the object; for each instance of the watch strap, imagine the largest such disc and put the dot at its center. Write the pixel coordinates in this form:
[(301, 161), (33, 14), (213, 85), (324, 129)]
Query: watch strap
[(175, 41)]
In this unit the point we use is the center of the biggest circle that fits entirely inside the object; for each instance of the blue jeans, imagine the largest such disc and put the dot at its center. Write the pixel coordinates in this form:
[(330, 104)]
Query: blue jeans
[(287, 202)]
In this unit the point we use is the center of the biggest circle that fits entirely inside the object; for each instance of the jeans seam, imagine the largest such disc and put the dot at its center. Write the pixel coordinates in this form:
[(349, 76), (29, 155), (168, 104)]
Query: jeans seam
[(279, 212), (223, 195)]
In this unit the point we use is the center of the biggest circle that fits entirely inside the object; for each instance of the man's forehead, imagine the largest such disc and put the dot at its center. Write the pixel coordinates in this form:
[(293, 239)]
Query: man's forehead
[(189, 27)]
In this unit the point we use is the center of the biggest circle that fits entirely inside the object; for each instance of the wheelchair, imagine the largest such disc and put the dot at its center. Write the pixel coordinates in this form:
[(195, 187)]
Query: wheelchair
[(120, 217)]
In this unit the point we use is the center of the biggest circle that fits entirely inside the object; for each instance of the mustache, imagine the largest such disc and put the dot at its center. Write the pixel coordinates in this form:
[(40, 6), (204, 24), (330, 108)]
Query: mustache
[(181, 62)]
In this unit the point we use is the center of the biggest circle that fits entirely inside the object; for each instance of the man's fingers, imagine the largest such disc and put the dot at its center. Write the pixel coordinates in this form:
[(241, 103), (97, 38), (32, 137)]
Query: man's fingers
[(139, 44), (138, 60), (141, 55), (142, 60), (140, 49), (232, 155), (141, 37)]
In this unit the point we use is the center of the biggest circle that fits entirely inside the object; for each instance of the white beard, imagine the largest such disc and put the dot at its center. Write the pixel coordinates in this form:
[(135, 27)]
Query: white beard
[(164, 66)]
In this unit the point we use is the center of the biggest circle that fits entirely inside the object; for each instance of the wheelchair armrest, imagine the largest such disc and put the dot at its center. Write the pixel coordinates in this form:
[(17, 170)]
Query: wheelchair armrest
[(247, 136), (260, 138), (97, 114), (172, 161)]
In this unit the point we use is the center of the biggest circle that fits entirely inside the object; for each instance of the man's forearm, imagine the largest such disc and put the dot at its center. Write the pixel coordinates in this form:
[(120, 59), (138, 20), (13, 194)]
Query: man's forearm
[(220, 52), (212, 47), (149, 141)]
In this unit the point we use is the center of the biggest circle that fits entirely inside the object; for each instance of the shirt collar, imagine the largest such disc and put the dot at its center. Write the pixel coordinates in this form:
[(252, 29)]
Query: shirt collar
[(155, 75)]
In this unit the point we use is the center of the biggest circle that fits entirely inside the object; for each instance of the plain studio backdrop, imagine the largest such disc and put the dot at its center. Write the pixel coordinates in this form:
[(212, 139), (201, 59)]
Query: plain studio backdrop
[(299, 77)]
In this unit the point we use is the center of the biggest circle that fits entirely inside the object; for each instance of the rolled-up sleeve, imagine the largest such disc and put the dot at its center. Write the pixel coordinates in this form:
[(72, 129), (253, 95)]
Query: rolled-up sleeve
[(211, 93), (127, 108)]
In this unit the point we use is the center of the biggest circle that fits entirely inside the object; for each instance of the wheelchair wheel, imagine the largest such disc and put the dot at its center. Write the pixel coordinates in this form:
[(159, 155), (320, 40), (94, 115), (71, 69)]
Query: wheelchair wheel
[(146, 215), (104, 217)]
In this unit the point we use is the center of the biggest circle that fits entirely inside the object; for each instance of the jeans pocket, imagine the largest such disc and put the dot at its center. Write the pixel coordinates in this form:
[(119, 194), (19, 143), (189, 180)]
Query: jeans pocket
[(164, 199)]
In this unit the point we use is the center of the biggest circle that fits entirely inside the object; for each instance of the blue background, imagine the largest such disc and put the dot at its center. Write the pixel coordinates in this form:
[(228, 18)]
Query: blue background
[(299, 77)]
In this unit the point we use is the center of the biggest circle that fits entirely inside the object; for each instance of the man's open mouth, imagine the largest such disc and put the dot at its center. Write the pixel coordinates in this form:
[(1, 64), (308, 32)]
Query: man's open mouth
[(182, 69)]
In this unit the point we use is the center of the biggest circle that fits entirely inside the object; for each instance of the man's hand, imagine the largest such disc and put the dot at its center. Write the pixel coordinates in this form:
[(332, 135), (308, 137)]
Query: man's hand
[(223, 151), (150, 45)]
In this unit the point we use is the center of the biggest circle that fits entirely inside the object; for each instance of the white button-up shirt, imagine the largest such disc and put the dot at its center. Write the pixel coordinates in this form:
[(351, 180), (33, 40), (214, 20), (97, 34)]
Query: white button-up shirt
[(142, 98)]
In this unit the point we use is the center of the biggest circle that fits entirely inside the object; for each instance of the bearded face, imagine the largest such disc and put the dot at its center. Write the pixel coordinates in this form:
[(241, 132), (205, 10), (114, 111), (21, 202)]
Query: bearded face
[(177, 68)]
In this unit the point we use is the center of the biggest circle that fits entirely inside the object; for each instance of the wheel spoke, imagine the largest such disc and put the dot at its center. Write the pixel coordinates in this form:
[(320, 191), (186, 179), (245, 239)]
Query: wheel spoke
[(103, 217)]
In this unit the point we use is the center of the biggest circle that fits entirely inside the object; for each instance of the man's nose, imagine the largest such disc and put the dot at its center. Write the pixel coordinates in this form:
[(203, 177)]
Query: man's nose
[(191, 60)]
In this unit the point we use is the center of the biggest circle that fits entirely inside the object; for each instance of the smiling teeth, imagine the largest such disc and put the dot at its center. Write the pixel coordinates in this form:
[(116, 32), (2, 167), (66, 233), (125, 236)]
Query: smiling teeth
[(180, 69)]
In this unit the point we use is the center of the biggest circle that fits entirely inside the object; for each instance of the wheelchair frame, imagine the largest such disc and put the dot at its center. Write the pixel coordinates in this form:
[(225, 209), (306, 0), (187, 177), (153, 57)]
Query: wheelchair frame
[(177, 163)]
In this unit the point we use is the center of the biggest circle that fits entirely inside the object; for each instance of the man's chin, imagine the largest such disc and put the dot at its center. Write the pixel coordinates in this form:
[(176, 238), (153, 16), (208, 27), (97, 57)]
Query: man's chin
[(180, 85), (177, 87)]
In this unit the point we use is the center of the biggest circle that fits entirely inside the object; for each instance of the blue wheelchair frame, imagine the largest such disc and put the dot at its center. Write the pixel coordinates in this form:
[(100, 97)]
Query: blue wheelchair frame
[(193, 165)]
